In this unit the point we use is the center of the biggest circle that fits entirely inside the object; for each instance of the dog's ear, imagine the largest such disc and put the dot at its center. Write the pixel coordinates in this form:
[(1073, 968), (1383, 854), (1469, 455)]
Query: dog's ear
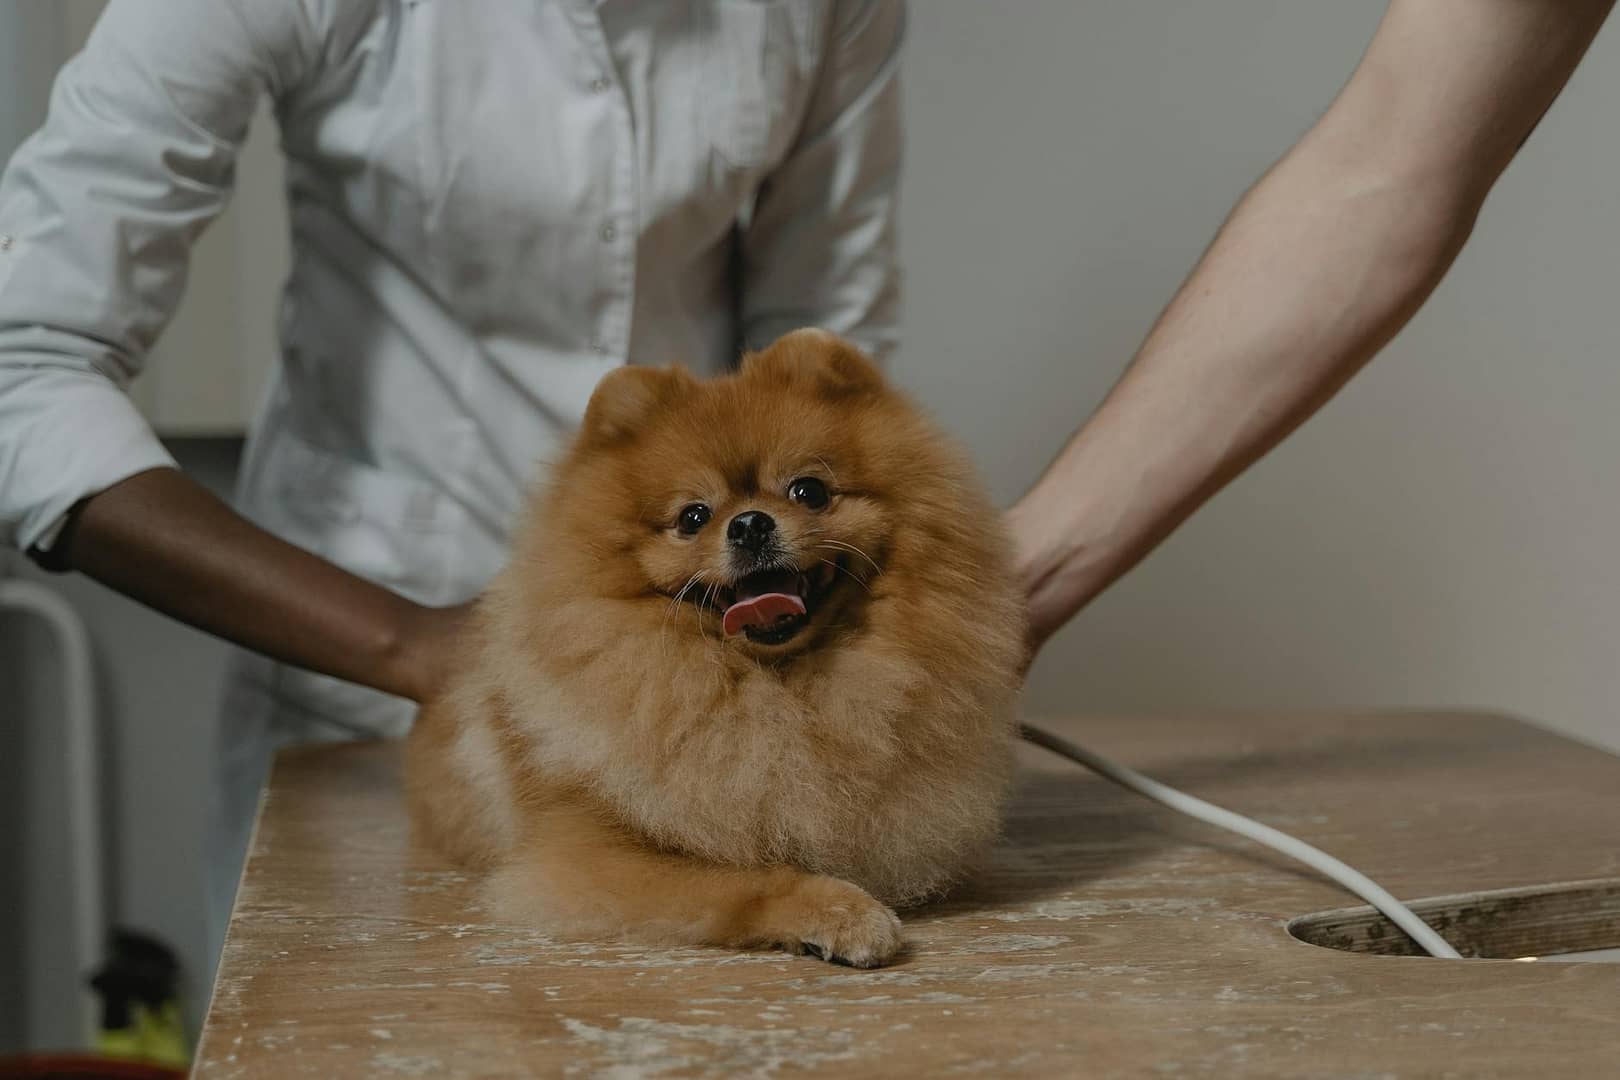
[(628, 396), (836, 367)]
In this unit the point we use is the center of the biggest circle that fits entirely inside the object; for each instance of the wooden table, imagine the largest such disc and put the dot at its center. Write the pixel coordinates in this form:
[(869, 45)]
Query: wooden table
[(1108, 937)]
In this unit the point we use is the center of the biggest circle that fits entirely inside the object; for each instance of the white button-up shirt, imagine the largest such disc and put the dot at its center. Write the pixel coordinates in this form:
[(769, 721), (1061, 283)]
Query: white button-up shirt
[(492, 203)]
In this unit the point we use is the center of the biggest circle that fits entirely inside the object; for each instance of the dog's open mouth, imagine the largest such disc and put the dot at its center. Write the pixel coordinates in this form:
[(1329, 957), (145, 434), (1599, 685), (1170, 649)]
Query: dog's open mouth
[(772, 606)]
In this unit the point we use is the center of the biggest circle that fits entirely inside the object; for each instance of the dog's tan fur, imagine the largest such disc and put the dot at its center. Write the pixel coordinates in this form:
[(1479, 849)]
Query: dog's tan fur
[(623, 769)]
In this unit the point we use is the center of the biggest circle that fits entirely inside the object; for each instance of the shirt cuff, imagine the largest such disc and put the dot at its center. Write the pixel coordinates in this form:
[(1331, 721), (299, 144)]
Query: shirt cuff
[(65, 435)]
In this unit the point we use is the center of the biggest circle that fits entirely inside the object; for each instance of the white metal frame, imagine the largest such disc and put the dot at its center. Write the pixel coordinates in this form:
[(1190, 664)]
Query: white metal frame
[(82, 744)]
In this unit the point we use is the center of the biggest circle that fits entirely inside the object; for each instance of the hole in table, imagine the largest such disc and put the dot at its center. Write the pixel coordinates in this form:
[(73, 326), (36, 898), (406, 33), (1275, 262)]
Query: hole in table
[(1567, 922)]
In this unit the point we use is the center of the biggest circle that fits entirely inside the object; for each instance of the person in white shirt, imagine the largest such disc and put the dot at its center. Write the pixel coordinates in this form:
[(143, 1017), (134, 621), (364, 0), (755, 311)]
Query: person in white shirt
[(491, 206)]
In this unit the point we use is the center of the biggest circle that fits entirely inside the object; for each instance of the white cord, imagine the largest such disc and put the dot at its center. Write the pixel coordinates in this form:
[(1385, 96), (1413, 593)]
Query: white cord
[(1209, 813)]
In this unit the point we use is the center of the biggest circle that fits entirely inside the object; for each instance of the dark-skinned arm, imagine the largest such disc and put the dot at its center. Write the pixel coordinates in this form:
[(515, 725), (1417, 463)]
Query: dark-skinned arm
[(166, 541)]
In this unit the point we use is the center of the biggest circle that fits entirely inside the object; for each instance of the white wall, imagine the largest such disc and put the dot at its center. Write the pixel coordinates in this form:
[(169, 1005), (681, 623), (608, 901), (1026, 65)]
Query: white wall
[(1445, 532)]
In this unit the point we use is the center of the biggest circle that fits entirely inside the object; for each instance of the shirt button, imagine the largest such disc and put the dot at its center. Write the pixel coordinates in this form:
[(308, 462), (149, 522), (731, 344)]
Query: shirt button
[(598, 346), (609, 233), (5, 243), (600, 85)]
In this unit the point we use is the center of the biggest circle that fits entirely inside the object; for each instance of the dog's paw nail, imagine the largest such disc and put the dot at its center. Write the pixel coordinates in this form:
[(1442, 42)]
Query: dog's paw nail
[(841, 924)]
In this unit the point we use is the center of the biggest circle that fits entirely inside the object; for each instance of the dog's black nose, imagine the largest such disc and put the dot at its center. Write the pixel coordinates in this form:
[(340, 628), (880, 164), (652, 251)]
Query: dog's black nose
[(751, 529)]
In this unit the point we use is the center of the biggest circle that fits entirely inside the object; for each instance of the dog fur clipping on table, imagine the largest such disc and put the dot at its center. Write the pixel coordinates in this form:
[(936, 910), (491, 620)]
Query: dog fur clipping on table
[(748, 678)]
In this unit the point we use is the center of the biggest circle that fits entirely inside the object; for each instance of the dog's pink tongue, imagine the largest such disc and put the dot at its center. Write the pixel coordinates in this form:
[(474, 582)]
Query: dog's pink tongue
[(762, 612)]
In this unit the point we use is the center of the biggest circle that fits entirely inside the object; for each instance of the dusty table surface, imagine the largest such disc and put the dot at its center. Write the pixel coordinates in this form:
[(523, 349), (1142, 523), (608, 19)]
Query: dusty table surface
[(1107, 937)]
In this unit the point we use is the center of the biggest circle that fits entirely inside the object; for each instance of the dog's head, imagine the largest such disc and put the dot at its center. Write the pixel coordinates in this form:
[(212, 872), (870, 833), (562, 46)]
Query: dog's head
[(761, 507)]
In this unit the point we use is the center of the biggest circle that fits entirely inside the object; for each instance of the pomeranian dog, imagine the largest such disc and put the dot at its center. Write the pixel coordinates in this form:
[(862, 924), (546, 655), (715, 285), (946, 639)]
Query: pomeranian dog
[(748, 679)]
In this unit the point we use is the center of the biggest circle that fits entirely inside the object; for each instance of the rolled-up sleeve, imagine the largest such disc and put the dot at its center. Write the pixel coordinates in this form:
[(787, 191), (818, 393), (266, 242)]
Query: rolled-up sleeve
[(98, 212), (820, 247)]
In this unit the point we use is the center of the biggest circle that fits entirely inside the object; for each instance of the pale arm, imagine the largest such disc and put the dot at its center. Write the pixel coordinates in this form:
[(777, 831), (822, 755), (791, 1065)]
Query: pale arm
[(1318, 266)]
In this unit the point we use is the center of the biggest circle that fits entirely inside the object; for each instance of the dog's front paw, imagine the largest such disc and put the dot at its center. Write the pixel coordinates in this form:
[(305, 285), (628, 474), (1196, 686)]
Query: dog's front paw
[(838, 922)]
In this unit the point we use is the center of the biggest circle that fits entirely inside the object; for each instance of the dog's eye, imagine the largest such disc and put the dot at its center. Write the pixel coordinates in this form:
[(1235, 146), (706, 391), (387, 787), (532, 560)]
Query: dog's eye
[(808, 491), (692, 519)]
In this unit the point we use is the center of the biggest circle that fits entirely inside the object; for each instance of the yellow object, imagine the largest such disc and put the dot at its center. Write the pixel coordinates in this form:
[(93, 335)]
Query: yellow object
[(155, 1036)]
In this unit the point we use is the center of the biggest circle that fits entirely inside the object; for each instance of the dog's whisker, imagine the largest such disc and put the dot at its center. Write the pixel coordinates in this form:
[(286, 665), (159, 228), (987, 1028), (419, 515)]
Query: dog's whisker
[(674, 604), (707, 594), (681, 595), (675, 601), (697, 613), (852, 549), (856, 578)]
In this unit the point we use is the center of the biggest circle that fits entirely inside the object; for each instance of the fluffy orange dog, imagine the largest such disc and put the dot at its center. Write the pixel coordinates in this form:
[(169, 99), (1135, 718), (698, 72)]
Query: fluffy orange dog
[(748, 677)]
